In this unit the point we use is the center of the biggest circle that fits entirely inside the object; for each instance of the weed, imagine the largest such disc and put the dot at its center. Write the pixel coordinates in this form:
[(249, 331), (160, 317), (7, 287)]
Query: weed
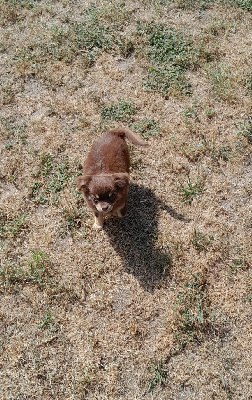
[(190, 190), (11, 274), (49, 322), (166, 45), (244, 128), (201, 241), (47, 319), (245, 4), (193, 4), (240, 262), (34, 271), (16, 133), (221, 80), (84, 40), (248, 83), (52, 176), (72, 220), (121, 111), (159, 375), (221, 153), (167, 81), (195, 315), (11, 226), (225, 387), (21, 3), (191, 113), (147, 127), (37, 271), (171, 54), (204, 4)]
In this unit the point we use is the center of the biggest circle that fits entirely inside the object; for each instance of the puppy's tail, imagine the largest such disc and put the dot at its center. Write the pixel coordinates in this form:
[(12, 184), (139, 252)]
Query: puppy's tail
[(132, 137)]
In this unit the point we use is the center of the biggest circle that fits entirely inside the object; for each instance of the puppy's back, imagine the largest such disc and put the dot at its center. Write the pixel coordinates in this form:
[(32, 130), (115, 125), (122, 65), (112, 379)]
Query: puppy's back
[(108, 154)]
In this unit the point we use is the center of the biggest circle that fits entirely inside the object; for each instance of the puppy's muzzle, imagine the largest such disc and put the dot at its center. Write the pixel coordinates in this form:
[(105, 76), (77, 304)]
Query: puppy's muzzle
[(105, 208)]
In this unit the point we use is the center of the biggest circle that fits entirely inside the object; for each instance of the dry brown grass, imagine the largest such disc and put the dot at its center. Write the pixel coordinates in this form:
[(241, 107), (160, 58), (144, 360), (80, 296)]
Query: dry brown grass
[(158, 305)]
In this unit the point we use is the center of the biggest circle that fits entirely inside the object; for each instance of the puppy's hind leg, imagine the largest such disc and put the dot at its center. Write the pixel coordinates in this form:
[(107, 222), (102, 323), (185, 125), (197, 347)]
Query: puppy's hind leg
[(98, 224)]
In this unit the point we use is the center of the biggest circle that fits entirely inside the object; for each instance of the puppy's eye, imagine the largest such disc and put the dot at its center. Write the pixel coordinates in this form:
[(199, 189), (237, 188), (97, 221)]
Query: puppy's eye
[(96, 200)]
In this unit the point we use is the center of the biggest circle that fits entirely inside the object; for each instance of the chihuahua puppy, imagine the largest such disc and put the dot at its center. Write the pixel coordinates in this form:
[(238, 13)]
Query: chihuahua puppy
[(105, 178)]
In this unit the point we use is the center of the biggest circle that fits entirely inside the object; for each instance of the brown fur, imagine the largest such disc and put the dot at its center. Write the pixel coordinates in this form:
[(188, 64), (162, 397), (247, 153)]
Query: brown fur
[(105, 178)]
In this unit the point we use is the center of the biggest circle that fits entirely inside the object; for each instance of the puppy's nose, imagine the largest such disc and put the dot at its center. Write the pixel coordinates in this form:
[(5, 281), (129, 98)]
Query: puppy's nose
[(105, 208)]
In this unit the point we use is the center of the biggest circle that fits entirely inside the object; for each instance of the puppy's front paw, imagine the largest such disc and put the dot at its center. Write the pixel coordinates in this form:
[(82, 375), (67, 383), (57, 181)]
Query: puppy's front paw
[(97, 226), (98, 223)]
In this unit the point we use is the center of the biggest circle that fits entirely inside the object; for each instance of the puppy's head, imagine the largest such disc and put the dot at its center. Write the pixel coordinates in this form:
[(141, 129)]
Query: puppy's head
[(103, 191)]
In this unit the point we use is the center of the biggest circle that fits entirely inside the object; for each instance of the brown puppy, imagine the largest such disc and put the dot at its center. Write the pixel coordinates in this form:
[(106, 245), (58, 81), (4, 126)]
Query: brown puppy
[(105, 178)]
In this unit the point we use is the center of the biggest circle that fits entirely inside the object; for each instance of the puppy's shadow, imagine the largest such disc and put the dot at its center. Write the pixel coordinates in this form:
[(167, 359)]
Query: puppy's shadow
[(134, 237)]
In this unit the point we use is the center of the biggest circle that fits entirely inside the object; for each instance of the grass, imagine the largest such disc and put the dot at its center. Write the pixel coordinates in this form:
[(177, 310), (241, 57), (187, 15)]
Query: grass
[(49, 323), (244, 128), (84, 40), (72, 220), (204, 4), (248, 83), (15, 133), (122, 111), (21, 3), (221, 80), (170, 54), (201, 241), (147, 127), (50, 178), (116, 314), (159, 376), (11, 226), (34, 271), (190, 190), (195, 318), (240, 262)]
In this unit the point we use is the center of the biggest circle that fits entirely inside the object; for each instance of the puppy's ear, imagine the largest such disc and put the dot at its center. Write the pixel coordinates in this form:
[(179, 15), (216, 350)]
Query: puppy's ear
[(121, 180), (82, 182)]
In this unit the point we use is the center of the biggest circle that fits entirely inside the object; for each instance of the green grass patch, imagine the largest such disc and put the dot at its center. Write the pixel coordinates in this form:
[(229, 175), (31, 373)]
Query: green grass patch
[(171, 54), (50, 178), (96, 33), (195, 315), (34, 271), (190, 190), (49, 323), (14, 133), (240, 262), (21, 3), (244, 128), (221, 80), (201, 241), (122, 111), (13, 225), (248, 83), (159, 375), (204, 4), (146, 127)]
